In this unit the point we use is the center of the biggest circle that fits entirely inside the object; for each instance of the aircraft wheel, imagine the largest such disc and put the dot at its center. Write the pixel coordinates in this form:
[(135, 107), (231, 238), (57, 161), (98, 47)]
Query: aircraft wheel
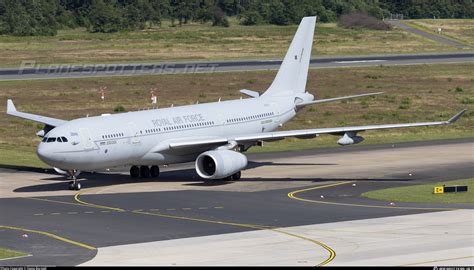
[(144, 171), (236, 176), (154, 171), (77, 186), (134, 172)]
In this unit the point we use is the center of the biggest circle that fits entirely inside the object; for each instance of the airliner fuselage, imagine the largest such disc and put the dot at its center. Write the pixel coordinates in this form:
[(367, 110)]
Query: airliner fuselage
[(100, 142)]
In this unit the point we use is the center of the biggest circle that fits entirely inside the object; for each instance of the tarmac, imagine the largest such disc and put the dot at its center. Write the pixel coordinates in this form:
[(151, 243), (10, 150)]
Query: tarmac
[(291, 208)]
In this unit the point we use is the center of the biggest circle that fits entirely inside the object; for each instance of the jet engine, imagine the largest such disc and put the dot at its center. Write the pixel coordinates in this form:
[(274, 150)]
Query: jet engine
[(350, 138), (218, 164)]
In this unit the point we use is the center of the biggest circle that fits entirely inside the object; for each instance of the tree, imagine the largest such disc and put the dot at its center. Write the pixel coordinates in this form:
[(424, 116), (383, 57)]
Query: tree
[(29, 18), (250, 17), (104, 17), (219, 18), (277, 14)]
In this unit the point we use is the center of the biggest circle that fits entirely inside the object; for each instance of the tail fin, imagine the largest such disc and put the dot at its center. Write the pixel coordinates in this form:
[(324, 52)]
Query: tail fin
[(293, 72)]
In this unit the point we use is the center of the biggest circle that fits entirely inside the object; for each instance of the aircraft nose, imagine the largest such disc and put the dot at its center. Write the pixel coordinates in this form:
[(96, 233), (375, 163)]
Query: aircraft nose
[(45, 154)]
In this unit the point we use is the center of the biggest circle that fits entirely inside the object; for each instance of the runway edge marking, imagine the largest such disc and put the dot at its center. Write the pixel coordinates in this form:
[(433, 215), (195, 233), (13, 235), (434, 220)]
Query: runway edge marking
[(332, 253), (291, 195), (49, 235)]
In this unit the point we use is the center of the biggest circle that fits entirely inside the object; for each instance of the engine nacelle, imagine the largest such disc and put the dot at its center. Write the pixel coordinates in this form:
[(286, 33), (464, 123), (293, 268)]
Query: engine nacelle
[(350, 138), (218, 164)]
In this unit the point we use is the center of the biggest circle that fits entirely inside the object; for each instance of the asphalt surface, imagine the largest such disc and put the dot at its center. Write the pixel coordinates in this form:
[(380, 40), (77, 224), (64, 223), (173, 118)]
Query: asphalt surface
[(117, 219), (434, 37), (32, 71)]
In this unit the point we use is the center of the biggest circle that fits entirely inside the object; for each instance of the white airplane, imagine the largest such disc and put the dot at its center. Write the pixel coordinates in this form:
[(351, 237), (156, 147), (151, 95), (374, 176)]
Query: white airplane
[(214, 135)]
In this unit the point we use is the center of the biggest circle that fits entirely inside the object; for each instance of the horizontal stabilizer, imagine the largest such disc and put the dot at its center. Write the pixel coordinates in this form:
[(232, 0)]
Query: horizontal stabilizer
[(250, 93), (335, 99)]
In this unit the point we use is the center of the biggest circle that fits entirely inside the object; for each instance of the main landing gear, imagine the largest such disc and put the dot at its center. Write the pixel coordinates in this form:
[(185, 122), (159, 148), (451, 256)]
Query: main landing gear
[(74, 184), (234, 177), (144, 171)]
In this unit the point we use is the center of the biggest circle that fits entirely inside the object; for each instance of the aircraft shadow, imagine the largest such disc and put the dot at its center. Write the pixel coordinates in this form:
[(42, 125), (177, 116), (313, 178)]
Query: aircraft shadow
[(256, 164), (92, 180), (26, 168)]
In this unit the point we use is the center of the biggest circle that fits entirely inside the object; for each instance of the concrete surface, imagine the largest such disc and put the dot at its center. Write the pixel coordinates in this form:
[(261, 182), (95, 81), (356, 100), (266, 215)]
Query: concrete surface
[(112, 210), (434, 239)]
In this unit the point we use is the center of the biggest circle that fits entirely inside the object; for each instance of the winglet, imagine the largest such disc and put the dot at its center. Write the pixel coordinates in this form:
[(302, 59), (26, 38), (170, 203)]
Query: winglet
[(456, 117), (10, 106)]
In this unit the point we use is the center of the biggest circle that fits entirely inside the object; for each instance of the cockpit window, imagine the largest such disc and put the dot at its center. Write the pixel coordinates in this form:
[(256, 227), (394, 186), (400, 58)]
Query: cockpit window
[(51, 139), (44, 139), (59, 139), (64, 139)]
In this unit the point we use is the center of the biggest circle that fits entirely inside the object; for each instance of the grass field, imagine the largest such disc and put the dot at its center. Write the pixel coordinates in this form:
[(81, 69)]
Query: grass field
[(413, 93), (424, 193), (204, 42), (7, 253), (459, 29)]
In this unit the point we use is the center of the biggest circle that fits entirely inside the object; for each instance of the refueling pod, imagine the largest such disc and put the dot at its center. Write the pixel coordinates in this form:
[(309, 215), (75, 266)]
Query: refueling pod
[(350, 138)]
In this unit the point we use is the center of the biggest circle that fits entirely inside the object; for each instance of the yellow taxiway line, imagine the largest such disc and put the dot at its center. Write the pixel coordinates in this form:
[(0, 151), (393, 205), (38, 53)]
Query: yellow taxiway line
[(292, 195), (332, 253), (50, 235), (76, 197)]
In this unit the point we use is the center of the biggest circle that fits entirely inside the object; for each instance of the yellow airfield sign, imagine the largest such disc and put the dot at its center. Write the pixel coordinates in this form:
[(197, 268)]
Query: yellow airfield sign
[(438, 190)]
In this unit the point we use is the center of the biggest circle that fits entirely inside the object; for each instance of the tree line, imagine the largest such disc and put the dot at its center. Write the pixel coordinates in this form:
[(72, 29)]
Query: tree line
[(45, 17)]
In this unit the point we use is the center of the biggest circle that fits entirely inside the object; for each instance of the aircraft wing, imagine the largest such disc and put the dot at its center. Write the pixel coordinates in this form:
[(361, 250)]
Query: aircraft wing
[(304, 133), (302, 104), (11, 110)]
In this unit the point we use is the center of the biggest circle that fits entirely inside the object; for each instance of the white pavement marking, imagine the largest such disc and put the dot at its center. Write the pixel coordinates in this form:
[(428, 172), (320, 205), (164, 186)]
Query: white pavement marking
[(359, 61), (439, 238)]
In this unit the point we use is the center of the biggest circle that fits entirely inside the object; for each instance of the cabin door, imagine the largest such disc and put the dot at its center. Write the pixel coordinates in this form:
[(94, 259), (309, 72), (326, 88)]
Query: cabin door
[(86, 139)]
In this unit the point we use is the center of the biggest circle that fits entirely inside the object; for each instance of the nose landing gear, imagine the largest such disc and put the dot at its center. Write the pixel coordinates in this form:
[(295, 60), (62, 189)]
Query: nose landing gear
[(74, 184)]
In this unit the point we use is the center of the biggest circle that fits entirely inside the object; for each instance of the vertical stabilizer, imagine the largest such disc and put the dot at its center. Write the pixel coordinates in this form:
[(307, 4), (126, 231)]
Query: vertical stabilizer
[(293, 72)]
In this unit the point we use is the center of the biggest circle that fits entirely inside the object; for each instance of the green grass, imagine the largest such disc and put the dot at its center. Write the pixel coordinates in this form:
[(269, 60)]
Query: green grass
[(19, 156), (9, 254), (424, 193)]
